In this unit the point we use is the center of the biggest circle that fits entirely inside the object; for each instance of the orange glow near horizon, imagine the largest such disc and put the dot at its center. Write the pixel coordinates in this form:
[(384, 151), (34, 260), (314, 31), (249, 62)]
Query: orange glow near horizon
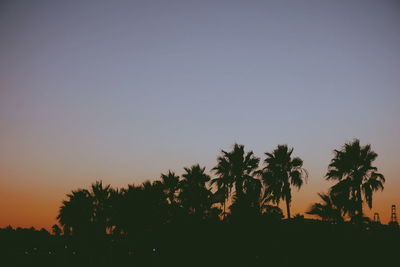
[(36, 203)]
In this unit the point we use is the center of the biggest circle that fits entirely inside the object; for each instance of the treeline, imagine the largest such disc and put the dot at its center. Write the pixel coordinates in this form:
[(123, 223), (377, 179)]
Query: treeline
[(241, 189), (231, 218)]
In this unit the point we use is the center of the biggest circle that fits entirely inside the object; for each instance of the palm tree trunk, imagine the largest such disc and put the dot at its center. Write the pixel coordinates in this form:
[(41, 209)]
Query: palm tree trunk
[(359, 204), (239, 190), (288, 208), (226, 197), (224, 208)]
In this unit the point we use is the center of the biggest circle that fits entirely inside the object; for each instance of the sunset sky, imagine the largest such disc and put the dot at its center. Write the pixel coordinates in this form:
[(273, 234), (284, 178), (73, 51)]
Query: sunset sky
[(124, 90)]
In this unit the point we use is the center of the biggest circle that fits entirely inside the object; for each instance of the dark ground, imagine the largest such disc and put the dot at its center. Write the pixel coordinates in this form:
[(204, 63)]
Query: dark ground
[(264, 243)]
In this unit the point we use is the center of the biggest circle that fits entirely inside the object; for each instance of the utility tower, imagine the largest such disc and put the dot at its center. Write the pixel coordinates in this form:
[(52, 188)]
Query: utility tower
[(376, 218), (393, 217)]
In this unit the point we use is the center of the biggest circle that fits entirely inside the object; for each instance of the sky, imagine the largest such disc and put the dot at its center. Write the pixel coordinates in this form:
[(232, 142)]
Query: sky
[(122, 91)]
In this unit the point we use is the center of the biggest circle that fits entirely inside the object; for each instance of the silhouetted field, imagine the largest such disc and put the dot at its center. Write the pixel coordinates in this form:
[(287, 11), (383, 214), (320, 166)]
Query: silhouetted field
[(262, 242)]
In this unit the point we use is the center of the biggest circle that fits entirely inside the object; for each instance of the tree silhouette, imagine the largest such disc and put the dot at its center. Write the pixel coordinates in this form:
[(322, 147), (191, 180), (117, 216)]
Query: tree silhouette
[(140, 208), (127, 206), (117, 212), (170, 182), (281, 172), (101, 202), (357, 178), (236, 168), (56, 230), (153, 203), (248, 205), (331, 208), (273, 212), (194, 195), (75, 214)]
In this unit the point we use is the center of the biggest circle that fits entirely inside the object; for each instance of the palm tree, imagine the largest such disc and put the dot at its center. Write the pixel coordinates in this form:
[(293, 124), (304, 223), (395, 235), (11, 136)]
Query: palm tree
[(56, 230), (127, 209), (153, 202), (85, 209), (101, 197), (331, 209), (357, 178), (235, 168), (281, 172), (273, 212), (193, 192), (248, 205), (116, 214), (170, 182), (139, 208), (75, 214), (253, 188)]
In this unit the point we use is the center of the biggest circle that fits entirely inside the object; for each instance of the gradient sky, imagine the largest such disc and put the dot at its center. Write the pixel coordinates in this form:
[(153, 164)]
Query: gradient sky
[(124, 90)]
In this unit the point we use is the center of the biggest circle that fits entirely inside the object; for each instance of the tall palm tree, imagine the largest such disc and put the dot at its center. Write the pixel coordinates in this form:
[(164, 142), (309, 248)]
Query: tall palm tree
[(153, 203), (75, 214), (139, 208), (330, 209), (170, 182), (193, 192), (280, 173), (85, 209), (224, 185), (357, 179), (127, 209), (101, 197), (235, 168), (116, 214), (248, 206)]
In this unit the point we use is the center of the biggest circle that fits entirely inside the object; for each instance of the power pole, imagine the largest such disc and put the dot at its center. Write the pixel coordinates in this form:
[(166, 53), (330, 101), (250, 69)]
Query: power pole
[(393, 217), (376, 218)]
